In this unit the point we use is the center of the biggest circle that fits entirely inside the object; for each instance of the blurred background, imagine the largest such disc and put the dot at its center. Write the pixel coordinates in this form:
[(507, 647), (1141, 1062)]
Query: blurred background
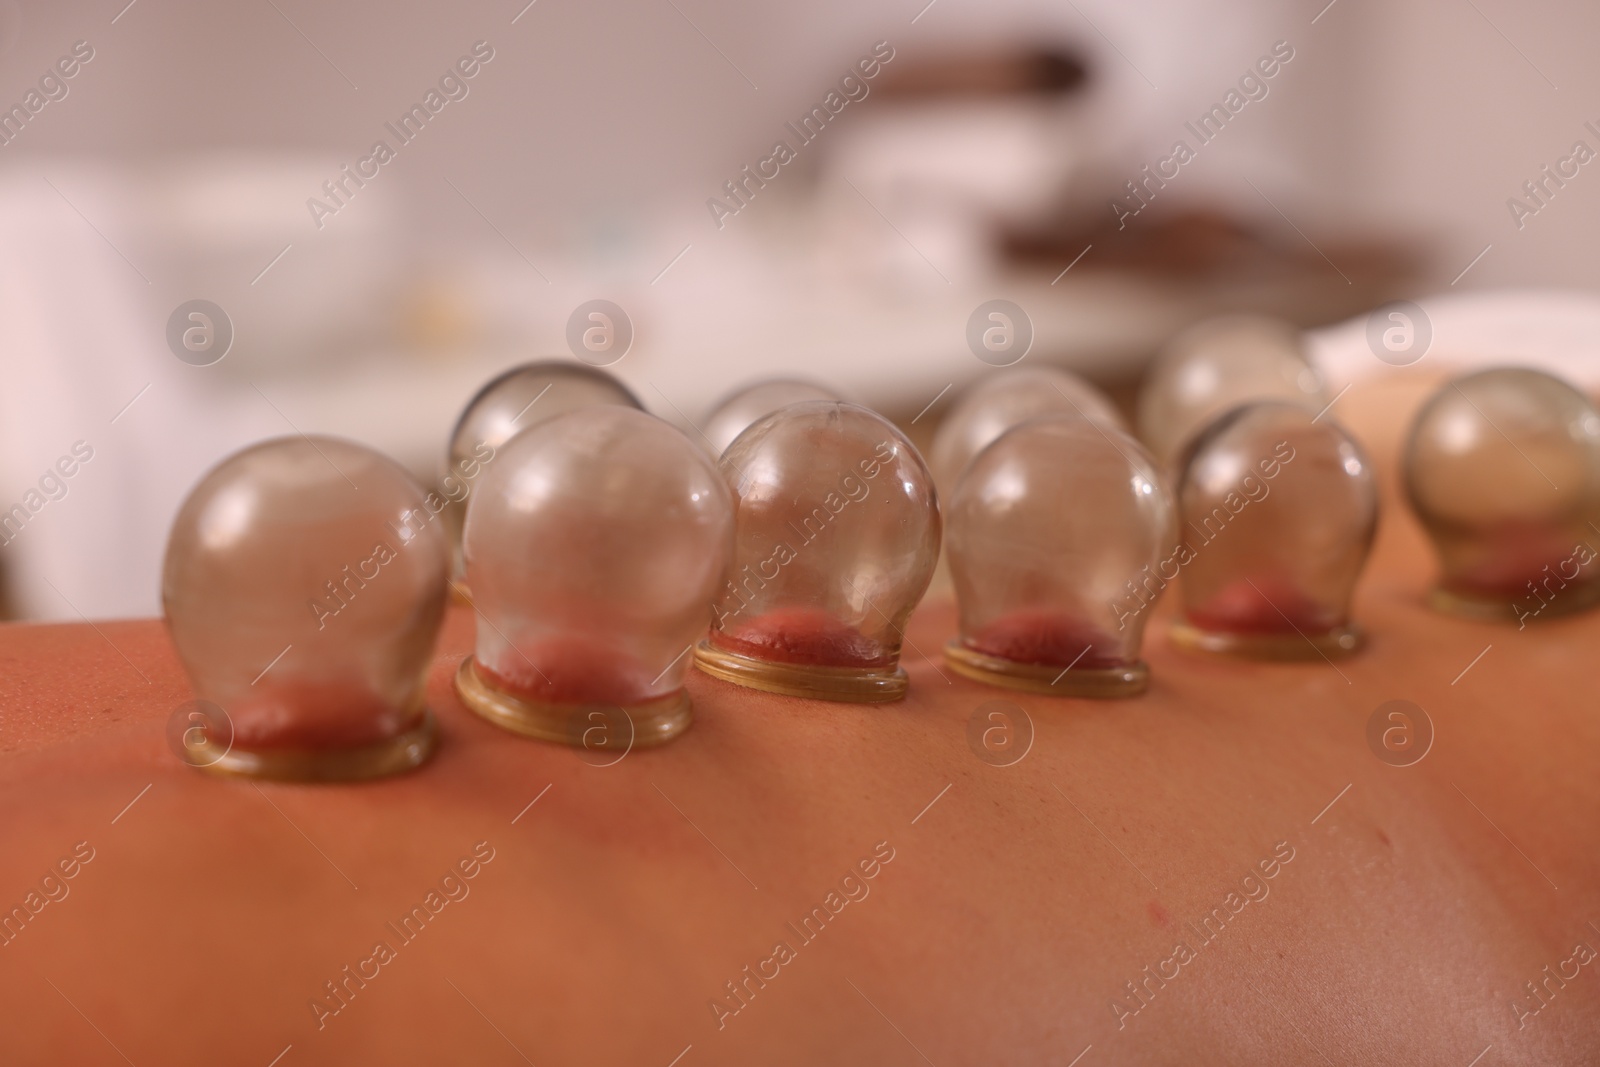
[(1012, 149)]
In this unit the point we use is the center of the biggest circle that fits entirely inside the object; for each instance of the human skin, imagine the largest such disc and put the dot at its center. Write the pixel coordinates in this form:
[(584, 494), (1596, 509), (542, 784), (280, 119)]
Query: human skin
[(1020, 899)]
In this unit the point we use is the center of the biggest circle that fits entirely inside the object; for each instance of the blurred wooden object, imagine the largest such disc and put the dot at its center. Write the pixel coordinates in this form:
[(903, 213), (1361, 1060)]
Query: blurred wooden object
[(1019, 72)]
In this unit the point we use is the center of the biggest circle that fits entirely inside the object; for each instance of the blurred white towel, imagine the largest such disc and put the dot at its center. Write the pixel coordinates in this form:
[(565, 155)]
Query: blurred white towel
[(1558, 332)]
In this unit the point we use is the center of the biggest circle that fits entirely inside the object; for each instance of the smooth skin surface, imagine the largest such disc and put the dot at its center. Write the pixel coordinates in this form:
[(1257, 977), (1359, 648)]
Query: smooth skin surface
[(1019, 900)]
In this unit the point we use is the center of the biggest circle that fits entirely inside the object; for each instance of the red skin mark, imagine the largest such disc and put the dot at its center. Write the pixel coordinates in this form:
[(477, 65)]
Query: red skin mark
[(1518, 555), (1048, 638), (1158, 914), (1261, 608), (808, 636), (571, 669), (302, 714)]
